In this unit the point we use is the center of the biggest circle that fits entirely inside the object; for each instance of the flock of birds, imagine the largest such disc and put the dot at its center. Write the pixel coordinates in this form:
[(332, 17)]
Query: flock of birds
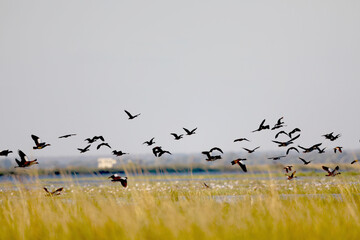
[(211, 155)]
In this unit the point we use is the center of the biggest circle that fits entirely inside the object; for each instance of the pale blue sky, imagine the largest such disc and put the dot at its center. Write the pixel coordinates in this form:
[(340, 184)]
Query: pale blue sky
[(221, 66)]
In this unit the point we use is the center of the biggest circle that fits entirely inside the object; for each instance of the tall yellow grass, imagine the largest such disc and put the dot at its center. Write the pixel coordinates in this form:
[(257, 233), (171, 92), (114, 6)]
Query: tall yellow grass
[(314, 208)]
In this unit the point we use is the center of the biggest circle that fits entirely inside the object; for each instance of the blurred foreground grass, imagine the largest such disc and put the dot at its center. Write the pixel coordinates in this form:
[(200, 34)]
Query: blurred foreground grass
[(233, 208)]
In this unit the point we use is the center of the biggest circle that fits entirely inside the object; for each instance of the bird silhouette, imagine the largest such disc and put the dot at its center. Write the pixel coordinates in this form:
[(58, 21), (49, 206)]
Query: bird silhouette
[(53, 193), (83, 150), (288, 169), (331, 137), (5, 152), (38, 143), (304, 161), (188, 132), (294, 131), (24, 161), (205, 185), (118, 153), (251, 150), (241, 163), (117, 178), (321, 150), (276, 158), (68, 135), (310, 149), (150, 142), (291, 148), (94, 139), (158, 151), (177, 137), (281, 132), (211, 157), (241, 139), (292, 176), (338, 149), (131, 116), (262, 126), (284, 144), (278, 124), (331, 172), (102, 144)]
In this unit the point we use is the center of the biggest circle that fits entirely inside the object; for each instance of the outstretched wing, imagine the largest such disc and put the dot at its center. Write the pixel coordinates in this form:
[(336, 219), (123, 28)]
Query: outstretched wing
[(217, 149), (243, 166), (291, 148), (281, 132), (46, 190), (326, 169), (36, 139), (294, 138), (57, 191), (186, 130), (129, 114), (123, 182), (23, 157)]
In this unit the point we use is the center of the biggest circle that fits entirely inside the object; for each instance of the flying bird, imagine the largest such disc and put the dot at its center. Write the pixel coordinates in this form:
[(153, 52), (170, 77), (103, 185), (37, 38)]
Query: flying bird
[(321, 150), (5, 152), (278, 124), (94, 139), (338, 148), (262, 126), (53, 193), (211, 157), (276, 158), (285, 144), (331, 172), (310, 149), (281, 132), (38, 143), (102, 144), (288, 169), (24, 161), (117, 178), (241, 163), (207, 186), (150, 142), (241, 139), (176, 136), (188, 132), (294, 131), (289, 177), (158, 151), (251, 151), (331, 137), (131, 116), (118, 153), (291, 148), (68, 135), (304, 161), (83, 150)]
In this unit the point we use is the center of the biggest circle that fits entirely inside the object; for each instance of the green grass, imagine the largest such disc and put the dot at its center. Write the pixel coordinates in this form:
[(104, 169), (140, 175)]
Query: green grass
[(235, 207)]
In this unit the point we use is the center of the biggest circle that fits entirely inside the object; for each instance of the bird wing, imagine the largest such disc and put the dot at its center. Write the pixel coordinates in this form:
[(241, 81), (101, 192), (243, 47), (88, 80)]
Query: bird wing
[(262, 123), (294, 138), (281, 132), (291, 148), (87, 147), (292, 175), (123, 182), (277, 142), (326, 169), (192, 131), (57, 190), (247, 149), (302, 160), (216, 148), (98, 146), (46, 190), (175, 135), (243, 166), (256, 148), (36, 139), (206, 153), (186, 130), (23, 157), (129, 114)]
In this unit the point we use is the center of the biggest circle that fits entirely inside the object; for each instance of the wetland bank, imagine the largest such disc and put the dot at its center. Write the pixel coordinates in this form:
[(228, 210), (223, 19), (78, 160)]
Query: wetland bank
[(233, 206)]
